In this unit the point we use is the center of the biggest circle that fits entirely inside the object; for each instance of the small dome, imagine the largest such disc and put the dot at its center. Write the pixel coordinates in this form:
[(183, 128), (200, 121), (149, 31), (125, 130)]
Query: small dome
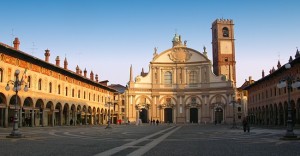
[(176, 38)]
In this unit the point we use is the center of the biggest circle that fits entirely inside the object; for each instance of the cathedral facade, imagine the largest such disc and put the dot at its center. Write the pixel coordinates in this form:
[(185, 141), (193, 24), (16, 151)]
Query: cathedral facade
[(183, 86)]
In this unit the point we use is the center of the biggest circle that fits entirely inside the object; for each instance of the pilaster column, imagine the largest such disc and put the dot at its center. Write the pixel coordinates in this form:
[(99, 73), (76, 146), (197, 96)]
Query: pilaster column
[(199, 115), (187, 114), (212, 115), (174, 114)]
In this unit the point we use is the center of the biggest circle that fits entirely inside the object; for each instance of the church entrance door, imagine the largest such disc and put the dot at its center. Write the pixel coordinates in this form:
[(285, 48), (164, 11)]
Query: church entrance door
[(193, 115), (168, 115), (144, 115)]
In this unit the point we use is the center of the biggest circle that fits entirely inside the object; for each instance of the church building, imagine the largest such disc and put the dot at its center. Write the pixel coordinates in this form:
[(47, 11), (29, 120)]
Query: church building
[(184, 86)]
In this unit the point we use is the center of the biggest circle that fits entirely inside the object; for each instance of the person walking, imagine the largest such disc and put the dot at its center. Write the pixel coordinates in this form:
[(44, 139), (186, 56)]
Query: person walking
[(246, 126)]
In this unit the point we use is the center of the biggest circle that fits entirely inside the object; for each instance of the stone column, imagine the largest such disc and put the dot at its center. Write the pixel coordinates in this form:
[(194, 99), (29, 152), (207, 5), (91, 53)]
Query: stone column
[(61, 117), (20, 117), (32, 118), (85, 116), (43, 113), (75, 117), (53, 118), (6, 118)]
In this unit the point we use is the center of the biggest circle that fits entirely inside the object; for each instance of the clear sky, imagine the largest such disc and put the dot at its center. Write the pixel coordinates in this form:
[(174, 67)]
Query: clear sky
[(107, 36)]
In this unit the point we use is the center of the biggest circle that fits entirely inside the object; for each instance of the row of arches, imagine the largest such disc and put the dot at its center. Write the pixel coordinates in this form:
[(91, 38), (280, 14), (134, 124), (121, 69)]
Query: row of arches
[(50, 113), (182, 109), (274, 114), (193, 115)]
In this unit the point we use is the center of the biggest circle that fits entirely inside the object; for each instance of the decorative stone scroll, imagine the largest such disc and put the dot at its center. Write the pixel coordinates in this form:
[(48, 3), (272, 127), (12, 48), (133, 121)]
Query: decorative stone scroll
[(180, 55)]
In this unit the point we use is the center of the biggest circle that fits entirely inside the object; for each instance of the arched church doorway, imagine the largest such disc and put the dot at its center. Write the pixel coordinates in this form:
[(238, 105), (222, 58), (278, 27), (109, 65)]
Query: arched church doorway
[(218, 115), (144, 115), (168, 115), (193, 115)]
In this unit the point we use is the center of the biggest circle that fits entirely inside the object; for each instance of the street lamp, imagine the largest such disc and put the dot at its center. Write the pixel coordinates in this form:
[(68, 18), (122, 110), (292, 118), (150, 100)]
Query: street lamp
[(233, 107), (108, 105), (289, 83), (17, 87)]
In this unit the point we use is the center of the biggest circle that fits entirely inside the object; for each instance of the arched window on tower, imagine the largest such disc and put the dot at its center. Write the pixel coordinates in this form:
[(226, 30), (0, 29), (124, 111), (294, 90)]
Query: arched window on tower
[(40, 84), (225, 32), (168, 78)]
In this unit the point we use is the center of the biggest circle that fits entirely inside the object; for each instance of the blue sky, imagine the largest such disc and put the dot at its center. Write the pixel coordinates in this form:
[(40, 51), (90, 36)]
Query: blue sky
[(107, 36)]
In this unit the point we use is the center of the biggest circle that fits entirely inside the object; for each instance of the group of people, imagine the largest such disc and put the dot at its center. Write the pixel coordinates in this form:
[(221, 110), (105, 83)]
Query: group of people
[(153, 122), (27, 121)]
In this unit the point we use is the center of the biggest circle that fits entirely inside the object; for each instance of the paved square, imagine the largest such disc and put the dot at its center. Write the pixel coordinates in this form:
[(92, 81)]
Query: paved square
[(147, 140)]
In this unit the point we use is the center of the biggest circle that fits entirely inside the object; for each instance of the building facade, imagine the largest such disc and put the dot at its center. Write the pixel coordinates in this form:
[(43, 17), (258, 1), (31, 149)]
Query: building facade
[(56, 95), (268, 104), (180, 86)]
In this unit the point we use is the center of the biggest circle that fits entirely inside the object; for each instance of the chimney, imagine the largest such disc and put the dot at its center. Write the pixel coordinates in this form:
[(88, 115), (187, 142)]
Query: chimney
[(278, 64), (16, 43), (263, 73), (57, 60), (92, 76), (250, 79), (84, 72), (96, 77), (47, 55), (77, 70), (65, 63), (80, 72)]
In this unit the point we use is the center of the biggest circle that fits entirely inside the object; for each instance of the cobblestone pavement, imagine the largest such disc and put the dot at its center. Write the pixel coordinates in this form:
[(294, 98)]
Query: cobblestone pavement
[(147, 140)]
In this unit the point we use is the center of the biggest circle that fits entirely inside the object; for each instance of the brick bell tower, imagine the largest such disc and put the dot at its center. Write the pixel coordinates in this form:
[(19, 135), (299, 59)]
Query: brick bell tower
[(224, 48)]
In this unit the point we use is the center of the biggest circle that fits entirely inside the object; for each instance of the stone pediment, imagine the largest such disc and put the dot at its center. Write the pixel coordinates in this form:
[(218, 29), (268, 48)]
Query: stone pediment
[(180, 55)]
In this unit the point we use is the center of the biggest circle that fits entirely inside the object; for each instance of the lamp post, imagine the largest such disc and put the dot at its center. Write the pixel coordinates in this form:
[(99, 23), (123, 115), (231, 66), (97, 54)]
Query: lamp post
[(108, 124), (17, 87), (233, 107), (289, 83)]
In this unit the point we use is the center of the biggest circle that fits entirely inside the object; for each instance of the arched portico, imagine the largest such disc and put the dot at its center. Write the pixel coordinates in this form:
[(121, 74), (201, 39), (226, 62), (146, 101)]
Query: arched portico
[(49, 114), (73, 115), (79, 115), (28, 116), (66, 115), (3, 111), (39, 113), (98, 116), (58, 115)]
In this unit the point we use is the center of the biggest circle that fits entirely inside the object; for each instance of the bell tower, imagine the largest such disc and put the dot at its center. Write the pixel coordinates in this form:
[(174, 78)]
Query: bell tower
[(224, 48)]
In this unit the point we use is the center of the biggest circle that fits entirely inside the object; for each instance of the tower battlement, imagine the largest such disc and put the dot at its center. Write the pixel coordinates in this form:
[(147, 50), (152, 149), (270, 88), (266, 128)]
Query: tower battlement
[(223, 21)]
